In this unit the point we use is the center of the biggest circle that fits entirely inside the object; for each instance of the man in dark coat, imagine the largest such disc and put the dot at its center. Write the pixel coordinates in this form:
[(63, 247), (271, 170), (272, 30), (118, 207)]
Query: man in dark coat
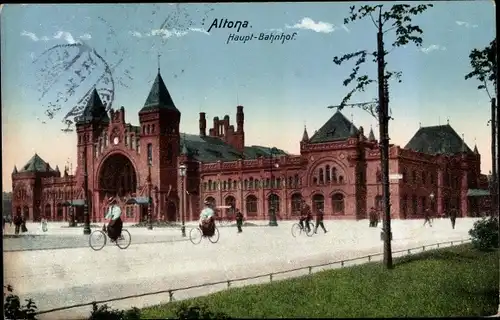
[(373, 217), (18, 220), (305, 216), (427, 217), (319, 221), (239, 220), (453, 217)]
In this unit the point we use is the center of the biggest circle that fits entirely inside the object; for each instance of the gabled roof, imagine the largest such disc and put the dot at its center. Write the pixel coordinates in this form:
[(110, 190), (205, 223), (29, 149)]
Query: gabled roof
[(36, 164), (211, 149), (159, 97), (94, 110), (441, 139), (338, 127)]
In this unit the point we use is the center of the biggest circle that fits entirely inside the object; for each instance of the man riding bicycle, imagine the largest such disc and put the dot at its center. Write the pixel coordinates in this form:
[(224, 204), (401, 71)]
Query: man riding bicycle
[(207, 222), (115, 224), (305, 216)]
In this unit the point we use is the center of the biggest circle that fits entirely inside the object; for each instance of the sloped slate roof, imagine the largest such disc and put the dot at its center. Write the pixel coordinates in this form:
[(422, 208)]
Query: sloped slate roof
[(94, 110), (441, 139), (338, 127), (210, 149), (36, 164), (159, 97)]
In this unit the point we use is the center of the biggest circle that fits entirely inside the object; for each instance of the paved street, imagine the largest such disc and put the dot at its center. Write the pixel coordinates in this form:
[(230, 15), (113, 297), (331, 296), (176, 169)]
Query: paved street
[(56, 278)]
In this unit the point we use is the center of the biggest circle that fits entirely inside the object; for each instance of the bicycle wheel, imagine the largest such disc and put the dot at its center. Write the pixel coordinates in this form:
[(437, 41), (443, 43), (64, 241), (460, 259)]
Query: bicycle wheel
[(195, 235), (215, 237), (97, 240), (296, 229), (310, 232), (124, 239)]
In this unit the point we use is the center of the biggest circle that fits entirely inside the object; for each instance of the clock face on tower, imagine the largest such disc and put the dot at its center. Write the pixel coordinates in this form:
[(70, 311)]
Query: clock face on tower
[(116, 140)]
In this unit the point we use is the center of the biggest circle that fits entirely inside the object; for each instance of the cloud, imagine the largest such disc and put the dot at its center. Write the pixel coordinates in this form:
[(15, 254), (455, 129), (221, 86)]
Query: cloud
[(59, 35), (466, 24), (165, 33), (433, 47), (309, 24)]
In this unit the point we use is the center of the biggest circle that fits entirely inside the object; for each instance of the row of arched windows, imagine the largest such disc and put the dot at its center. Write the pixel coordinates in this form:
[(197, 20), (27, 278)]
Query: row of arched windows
[(251, 184), (328, 175), (424, 178), (58, 194), (274, 202)]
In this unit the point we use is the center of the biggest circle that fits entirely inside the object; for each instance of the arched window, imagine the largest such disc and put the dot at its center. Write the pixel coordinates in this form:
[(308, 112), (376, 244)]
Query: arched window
[(273, 203), (327, 174), (338, 203), (245, 184), (251, 205), (278, 183), (229, 184), (205, 186), (296, 180), (318, 202), (224, 185), (341, 179), (268, 183), (257, 184), (235, 184), (334, 175), (211, 200), (209, 185), (378, 202), (150, 154), (290, 182), (251, 184), (321, 177), (296, 204), (47, 213)]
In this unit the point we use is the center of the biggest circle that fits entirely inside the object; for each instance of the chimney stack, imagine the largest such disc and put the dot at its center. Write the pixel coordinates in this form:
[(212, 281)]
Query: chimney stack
[(203, 124)]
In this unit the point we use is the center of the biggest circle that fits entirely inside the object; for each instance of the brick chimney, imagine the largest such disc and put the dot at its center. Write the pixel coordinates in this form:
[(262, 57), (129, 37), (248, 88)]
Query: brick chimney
[(203, 124)]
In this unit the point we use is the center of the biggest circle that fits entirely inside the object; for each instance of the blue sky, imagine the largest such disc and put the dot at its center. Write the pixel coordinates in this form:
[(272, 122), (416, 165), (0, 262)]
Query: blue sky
[(281, 86)]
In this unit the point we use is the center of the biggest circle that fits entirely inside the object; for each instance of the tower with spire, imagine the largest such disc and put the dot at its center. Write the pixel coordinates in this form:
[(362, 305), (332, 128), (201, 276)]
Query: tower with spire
[(159, 121)]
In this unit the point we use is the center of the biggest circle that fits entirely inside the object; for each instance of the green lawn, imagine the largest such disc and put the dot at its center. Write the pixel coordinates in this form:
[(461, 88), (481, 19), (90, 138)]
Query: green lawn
[(456, 281)]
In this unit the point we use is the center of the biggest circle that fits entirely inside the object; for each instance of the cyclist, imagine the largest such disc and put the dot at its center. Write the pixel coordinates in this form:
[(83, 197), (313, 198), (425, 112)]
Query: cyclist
[(115, 224), (207, 223), (305, 216)]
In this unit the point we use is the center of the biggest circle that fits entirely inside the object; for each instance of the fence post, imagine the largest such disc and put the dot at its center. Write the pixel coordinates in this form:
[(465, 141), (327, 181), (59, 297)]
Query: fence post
[(409, 251), (438, 245), (342, 263), (423, 248), (228, 283), (310, 270), (170, 296), (452, 243), (369, 258), (270, 277)]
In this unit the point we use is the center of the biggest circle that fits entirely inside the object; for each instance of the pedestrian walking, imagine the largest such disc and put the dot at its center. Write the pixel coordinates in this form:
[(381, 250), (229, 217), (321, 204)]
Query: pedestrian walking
[(319, 221), (18, 220), (427, 217), (453, 217), (23, 225), (239, 220), (373, 217), (44, 224)]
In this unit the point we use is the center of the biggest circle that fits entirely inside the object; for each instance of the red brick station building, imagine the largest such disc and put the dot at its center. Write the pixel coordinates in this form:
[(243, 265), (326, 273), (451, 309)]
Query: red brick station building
[(338, 169)]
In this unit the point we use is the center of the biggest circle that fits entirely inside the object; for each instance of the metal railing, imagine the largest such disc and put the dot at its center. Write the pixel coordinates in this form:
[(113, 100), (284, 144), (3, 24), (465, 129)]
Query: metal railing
[(268, 275)]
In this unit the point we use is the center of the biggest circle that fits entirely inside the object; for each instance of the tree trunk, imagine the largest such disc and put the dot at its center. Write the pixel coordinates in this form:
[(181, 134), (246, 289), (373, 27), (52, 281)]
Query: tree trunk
[(383, 118), (494, 177)]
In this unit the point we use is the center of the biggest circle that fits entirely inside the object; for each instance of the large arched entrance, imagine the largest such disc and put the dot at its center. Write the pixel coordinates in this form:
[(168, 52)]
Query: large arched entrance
[(117, 178)]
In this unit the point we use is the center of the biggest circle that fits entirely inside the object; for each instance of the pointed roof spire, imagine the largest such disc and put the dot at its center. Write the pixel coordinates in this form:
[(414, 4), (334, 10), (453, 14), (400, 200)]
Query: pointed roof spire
[(57, 168), (184, 150), (159, 97), (305, 135), (159, 55), (371, 135), (94, 110), (475, 149), (15, 170)]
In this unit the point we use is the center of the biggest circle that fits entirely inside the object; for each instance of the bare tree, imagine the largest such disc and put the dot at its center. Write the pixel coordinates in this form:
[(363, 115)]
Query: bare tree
[(484, 69), (396, 19)]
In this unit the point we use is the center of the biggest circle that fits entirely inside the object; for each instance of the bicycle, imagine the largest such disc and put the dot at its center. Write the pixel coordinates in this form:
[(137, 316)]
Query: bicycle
[(297, 229), (196, 234), (122, 242)]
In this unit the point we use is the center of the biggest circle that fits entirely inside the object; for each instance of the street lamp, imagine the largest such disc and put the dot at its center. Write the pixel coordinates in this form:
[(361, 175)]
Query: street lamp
[(86, 226), (272, 216), (150, 200), (182, 174)]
